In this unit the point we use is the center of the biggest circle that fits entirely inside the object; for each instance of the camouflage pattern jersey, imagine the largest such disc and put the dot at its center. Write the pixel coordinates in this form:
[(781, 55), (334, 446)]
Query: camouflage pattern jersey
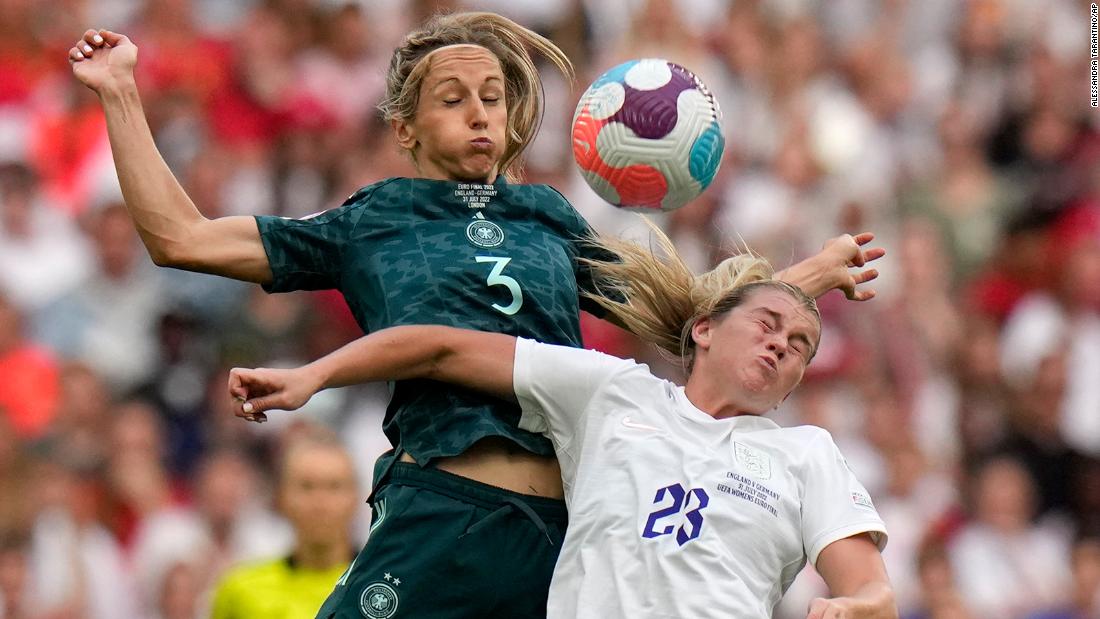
[(499, 258)]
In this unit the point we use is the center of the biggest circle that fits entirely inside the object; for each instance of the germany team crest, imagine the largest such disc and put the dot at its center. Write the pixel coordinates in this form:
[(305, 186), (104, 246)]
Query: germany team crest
[(378, 601), (484, 233)]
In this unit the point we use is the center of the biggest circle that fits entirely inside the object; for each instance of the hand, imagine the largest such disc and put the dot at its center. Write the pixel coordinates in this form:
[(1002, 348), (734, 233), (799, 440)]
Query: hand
[(835, 608), (264, 389), (844, 252), (102, 59)]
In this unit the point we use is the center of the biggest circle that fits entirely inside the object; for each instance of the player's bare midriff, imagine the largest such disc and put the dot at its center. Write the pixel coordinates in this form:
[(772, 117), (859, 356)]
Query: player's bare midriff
[(501, 463)]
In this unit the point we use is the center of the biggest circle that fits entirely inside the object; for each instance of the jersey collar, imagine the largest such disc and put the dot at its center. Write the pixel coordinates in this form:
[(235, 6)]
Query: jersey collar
[(741, 423)]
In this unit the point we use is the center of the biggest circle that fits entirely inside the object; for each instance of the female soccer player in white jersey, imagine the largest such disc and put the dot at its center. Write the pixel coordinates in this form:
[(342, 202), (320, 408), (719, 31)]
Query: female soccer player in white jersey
[(683, 501)]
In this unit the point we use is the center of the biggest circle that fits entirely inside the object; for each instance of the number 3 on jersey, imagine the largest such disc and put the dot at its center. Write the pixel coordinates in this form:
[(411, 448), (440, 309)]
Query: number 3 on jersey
[(681, 499), (497, 278)]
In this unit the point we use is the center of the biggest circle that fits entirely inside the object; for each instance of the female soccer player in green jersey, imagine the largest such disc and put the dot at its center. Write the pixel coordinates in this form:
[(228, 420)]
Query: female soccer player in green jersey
[(468, 512)]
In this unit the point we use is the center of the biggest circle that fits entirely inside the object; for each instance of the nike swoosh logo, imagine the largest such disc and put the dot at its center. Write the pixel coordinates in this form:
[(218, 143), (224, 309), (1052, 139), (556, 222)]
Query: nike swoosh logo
[(628, 422)]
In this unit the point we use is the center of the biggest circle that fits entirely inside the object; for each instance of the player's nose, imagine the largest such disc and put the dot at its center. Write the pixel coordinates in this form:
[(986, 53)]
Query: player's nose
[(479, 117)]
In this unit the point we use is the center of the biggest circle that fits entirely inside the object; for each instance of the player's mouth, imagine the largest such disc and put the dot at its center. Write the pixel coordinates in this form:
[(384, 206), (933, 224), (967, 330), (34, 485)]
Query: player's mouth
[(482, 144), (769, 362)]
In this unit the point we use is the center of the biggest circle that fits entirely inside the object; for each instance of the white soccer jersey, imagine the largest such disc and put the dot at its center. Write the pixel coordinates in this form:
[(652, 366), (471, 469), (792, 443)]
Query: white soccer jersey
[(673, 513)]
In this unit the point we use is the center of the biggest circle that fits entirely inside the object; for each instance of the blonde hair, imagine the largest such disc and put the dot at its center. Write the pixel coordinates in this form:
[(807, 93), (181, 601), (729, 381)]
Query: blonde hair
[(509, 42), (659, 298)]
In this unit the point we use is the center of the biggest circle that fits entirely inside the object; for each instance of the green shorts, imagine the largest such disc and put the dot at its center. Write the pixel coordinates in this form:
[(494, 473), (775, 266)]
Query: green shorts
[(446, 547)]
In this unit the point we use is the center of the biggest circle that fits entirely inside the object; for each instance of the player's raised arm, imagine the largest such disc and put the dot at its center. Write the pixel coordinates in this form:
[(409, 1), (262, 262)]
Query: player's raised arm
[(174, 231), (473, 359), (829, 268)]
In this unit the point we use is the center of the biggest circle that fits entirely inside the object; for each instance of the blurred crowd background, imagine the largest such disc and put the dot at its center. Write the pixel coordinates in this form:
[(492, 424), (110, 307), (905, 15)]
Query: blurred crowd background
[(966, 396)]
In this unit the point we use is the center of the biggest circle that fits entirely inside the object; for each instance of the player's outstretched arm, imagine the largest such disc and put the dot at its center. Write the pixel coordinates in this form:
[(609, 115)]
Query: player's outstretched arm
[(829, 268), (472, 359), (853, 570), (174, 231)]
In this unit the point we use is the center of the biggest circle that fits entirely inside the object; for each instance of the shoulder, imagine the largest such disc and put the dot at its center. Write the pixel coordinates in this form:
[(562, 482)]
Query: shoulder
[(816, 445), (533, 190), (547, 201), (548, 357), (377, 192), (816, 436), (348, 213)]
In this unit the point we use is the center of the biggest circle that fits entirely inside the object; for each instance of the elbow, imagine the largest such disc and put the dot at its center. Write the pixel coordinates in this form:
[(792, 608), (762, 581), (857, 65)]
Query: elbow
[(167, 254), (175, 250), (160, 257)]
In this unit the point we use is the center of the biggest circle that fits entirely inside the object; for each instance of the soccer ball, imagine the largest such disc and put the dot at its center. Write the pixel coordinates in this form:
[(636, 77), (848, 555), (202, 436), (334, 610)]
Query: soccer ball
[(647, 135)]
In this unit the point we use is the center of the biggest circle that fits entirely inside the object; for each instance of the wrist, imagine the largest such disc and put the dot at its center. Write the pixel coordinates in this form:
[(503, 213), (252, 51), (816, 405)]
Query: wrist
[(118, 89), (316, 377), (810, 275)]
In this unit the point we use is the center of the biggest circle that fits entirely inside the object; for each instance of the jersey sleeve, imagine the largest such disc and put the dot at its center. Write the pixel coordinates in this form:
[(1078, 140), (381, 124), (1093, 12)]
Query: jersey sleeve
[(556, 384), (307, 253), (835, 505)]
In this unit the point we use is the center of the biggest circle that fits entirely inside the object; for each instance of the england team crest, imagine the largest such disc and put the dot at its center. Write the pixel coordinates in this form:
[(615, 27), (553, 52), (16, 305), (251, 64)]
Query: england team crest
[(754, 461)]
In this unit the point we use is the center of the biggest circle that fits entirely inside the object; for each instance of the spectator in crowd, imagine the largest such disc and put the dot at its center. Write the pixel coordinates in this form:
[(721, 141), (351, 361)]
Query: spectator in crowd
[(43, 253), (14, 576), (29, 399), (1084, 601), (318, 494), (109, 321), (1007, 566)]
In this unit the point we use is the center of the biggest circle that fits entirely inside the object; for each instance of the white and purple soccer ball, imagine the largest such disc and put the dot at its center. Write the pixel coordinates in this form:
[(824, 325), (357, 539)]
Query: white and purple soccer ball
[(647, 135)]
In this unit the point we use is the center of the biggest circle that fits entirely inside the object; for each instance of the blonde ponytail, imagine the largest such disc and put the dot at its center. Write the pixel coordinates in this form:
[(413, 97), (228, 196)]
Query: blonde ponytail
[(658, 297)]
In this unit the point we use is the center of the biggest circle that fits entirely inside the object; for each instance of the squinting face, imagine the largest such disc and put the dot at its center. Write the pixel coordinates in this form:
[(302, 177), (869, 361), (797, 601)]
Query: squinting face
[(461, 121), (760, 348)]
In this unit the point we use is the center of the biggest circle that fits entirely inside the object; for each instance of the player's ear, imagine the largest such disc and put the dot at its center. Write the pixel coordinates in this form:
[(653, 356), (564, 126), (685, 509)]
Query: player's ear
[(700, 332), (405, 133)]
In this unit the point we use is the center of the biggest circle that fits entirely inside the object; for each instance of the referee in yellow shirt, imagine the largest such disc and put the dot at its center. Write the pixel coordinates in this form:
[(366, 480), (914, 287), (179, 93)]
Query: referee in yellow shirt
[(318, 494)]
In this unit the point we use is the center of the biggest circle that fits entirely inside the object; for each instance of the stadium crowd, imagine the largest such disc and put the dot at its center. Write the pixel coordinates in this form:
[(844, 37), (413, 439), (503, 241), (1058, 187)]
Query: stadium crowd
[(966, 395)]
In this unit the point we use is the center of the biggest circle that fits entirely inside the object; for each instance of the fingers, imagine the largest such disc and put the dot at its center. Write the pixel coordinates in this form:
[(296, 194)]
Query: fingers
[(862, 277), (863, 238), (865, 276), (873, 254), (863, 256), (251, 410), (113, 39), (859, 295), (237, 388), (92, 40), (86, 46), (239, 381), (857, 259)]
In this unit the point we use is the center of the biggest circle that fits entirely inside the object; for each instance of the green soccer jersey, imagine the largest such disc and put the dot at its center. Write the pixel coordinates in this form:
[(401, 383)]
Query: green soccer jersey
[(499, 258)]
